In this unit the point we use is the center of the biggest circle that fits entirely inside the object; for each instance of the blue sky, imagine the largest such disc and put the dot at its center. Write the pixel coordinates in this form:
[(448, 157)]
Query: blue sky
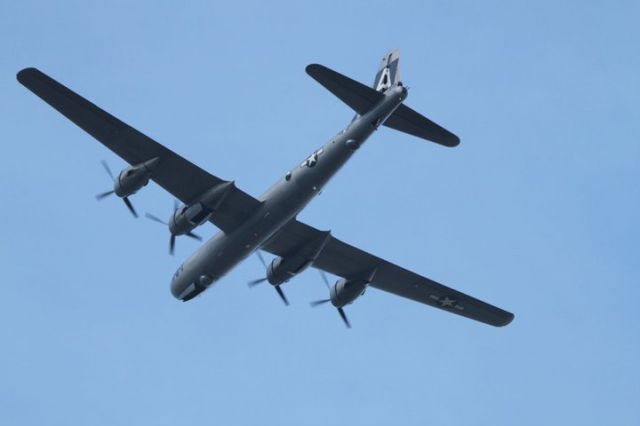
[(536, 211)]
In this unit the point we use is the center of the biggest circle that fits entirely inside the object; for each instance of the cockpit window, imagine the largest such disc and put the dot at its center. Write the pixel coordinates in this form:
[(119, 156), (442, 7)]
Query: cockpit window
[(178, 272)]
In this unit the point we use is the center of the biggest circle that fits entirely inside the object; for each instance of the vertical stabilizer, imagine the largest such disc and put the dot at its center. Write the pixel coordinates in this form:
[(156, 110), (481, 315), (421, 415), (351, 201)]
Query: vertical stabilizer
[(389, 71)]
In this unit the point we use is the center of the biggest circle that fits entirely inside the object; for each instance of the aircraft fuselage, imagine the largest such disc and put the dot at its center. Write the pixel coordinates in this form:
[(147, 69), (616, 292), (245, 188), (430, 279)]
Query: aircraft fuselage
[(281, 203), (269, 223)]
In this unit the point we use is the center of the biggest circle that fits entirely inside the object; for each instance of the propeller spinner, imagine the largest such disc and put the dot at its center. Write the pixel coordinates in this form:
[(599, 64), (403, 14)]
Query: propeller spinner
[(129, 181), (172, 227), (105, 194), (261, 280), (315, 303)]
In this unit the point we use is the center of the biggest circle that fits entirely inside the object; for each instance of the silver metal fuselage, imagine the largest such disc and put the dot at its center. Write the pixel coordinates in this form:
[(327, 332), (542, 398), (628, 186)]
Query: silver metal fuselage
[(281, 203)]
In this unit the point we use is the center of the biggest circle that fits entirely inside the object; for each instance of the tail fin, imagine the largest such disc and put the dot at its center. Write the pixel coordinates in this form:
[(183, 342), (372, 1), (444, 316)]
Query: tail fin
[(388, 72), (362, 98)]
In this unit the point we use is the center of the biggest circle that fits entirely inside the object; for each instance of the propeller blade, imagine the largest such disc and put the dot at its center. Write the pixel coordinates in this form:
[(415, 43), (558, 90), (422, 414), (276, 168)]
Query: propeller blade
[(130, 206), (344, 317), (319, 302), (282, 296), (155, 218), (106, 167), (172, 244), (104, 194), (262, 259), (256, 282), (325, 279), (194, 236)]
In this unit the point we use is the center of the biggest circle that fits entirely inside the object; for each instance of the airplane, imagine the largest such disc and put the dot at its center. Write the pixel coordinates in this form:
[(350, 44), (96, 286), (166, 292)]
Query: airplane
[(269, 223)]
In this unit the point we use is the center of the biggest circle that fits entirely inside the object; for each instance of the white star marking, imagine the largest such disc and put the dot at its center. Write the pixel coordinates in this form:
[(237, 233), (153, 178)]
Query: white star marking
[(447, 303)]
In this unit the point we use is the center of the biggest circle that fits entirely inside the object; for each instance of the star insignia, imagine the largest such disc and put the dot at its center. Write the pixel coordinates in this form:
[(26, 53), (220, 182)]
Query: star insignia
[(447, 302)]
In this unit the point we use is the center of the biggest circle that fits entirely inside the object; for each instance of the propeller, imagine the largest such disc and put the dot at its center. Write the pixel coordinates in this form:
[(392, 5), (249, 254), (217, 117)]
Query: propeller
[(255, 282), (315, 303), (103, 195), (259, 280), (172, 239)]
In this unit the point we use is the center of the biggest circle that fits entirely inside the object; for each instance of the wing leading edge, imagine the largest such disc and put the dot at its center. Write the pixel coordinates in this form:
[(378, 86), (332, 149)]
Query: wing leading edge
[(344, 260), (183, 179)]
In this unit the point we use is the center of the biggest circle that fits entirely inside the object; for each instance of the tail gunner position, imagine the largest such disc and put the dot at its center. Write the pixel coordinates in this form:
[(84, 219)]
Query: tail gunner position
[(269, 222)]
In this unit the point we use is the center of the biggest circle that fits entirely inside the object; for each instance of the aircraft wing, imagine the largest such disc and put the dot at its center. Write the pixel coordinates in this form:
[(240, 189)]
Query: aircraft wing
[(344, 260), (183, 179)]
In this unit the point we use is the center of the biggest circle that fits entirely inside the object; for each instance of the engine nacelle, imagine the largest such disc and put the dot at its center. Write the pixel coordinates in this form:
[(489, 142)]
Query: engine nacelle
[(186, 218), (281, 270), (131, 179), (344, 292)]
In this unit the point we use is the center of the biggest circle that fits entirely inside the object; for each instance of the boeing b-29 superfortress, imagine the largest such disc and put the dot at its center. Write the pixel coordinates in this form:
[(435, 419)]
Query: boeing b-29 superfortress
[(269, 222)]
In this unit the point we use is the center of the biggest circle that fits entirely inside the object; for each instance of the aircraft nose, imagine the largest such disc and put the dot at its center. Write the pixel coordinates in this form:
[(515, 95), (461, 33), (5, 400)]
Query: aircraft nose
[(178, 288), (184, 289)]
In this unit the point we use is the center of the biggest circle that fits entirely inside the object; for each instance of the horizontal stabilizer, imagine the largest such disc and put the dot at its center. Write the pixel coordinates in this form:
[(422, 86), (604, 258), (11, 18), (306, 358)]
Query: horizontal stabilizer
[(362, 98), (358, 96), (409, 121)]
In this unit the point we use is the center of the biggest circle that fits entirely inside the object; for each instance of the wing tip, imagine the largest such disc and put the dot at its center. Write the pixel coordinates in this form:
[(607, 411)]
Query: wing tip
[(313, 69), (25, 74), (452, 141), (506, 320)]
